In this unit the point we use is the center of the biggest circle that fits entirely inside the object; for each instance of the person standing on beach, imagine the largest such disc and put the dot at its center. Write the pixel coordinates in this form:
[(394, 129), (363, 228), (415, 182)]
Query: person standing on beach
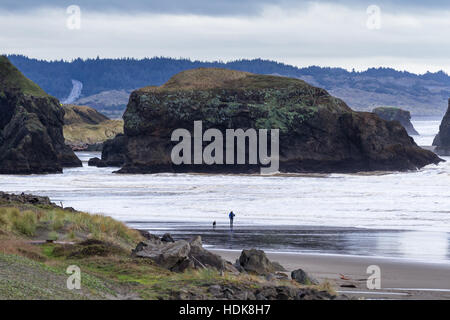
[(231, 216)]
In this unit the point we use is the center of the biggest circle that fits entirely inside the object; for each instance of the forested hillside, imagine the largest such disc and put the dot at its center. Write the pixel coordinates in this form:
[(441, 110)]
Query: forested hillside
[(421, 94)]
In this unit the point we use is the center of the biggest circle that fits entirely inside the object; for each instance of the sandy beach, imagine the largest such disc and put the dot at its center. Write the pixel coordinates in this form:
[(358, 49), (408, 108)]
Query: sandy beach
[(400, 278)]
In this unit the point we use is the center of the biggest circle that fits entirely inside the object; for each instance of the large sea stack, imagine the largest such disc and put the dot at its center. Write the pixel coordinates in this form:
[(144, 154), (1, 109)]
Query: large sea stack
[(397, 114), (442, 140), (318, 132), (31, 127)]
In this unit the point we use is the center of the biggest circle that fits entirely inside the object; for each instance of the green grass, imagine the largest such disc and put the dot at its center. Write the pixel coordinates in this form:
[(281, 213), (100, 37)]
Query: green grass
[(22, 222), (102, 252), (70, 224), (23, 278), (210, 78), (11, 77), (81, 133)]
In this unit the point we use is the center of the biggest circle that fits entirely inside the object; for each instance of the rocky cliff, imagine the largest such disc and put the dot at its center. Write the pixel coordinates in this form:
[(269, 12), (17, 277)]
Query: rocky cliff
[(442, 140), (318, 133), (396, 114), (31, 127)]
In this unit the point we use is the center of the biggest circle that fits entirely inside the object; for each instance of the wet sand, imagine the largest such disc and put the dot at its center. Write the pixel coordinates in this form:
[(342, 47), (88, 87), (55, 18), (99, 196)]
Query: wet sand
[(400, 278), (412, 245)]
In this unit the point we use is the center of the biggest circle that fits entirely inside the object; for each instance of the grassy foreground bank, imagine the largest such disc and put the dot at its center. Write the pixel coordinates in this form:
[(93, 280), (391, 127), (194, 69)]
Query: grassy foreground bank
[(39, 242)]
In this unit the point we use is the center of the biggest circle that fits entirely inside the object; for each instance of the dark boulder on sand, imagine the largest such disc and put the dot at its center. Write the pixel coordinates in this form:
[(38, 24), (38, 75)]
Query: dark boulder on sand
[(167, 238), (31, 127), (318, 132), (256, 261), (442, 140), (302, 277)]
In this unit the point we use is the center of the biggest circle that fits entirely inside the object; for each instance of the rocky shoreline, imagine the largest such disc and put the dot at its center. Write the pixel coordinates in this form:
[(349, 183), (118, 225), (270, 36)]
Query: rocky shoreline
[(182, 255)]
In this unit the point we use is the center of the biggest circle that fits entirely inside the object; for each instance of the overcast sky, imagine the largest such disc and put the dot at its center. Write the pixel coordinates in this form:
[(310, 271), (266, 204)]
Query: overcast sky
[(408, 35)]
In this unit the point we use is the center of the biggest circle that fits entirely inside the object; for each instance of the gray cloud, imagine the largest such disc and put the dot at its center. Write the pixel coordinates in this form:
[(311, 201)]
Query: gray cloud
[(316, 34), (211, 7)]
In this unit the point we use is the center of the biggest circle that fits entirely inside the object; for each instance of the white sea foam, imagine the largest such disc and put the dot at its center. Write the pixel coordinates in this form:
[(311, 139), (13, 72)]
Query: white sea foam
[(406, 201)]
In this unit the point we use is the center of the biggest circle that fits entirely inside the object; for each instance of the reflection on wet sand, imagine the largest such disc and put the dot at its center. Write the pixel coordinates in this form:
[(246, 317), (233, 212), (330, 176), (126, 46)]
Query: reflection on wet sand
[(415, 245)]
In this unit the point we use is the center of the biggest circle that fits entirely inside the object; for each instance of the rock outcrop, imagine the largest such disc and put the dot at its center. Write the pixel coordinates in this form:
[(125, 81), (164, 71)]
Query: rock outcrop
[(256, 261), (180, 255), (23, 198), (318, 133), (302, 277), (31, 127), (268, 291), (396, 114), (26, 199), (442, 140), (113, 153)]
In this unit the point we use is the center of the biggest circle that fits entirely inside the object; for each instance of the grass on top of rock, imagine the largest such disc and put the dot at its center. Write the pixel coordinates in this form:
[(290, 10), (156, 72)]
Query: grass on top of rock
[(210, 78), (59, 224), (11, 77)]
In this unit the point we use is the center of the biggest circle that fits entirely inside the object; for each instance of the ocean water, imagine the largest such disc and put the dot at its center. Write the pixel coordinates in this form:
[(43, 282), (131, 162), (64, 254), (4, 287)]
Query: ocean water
[(393, 210)]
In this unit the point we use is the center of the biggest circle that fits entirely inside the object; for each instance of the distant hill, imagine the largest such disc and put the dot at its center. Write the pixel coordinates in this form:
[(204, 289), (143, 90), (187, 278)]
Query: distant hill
[(107, 82), (84, 125), (82, 114)]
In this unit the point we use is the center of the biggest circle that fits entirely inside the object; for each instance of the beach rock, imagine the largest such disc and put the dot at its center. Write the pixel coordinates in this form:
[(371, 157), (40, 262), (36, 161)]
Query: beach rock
[(168, 255), (205, 259), (266, 291), (147, 235), (313, 294), (113, 152), (139, 247), (26, 199), (318, 133), (96, 162), (184, 265), (302, 277), (85, 146), (442, 140), (397, 114), (276, 276), (215, 289), (167, 238), (31, 127), (180, 255), (94, 146), (256, 261), (196, 242)]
